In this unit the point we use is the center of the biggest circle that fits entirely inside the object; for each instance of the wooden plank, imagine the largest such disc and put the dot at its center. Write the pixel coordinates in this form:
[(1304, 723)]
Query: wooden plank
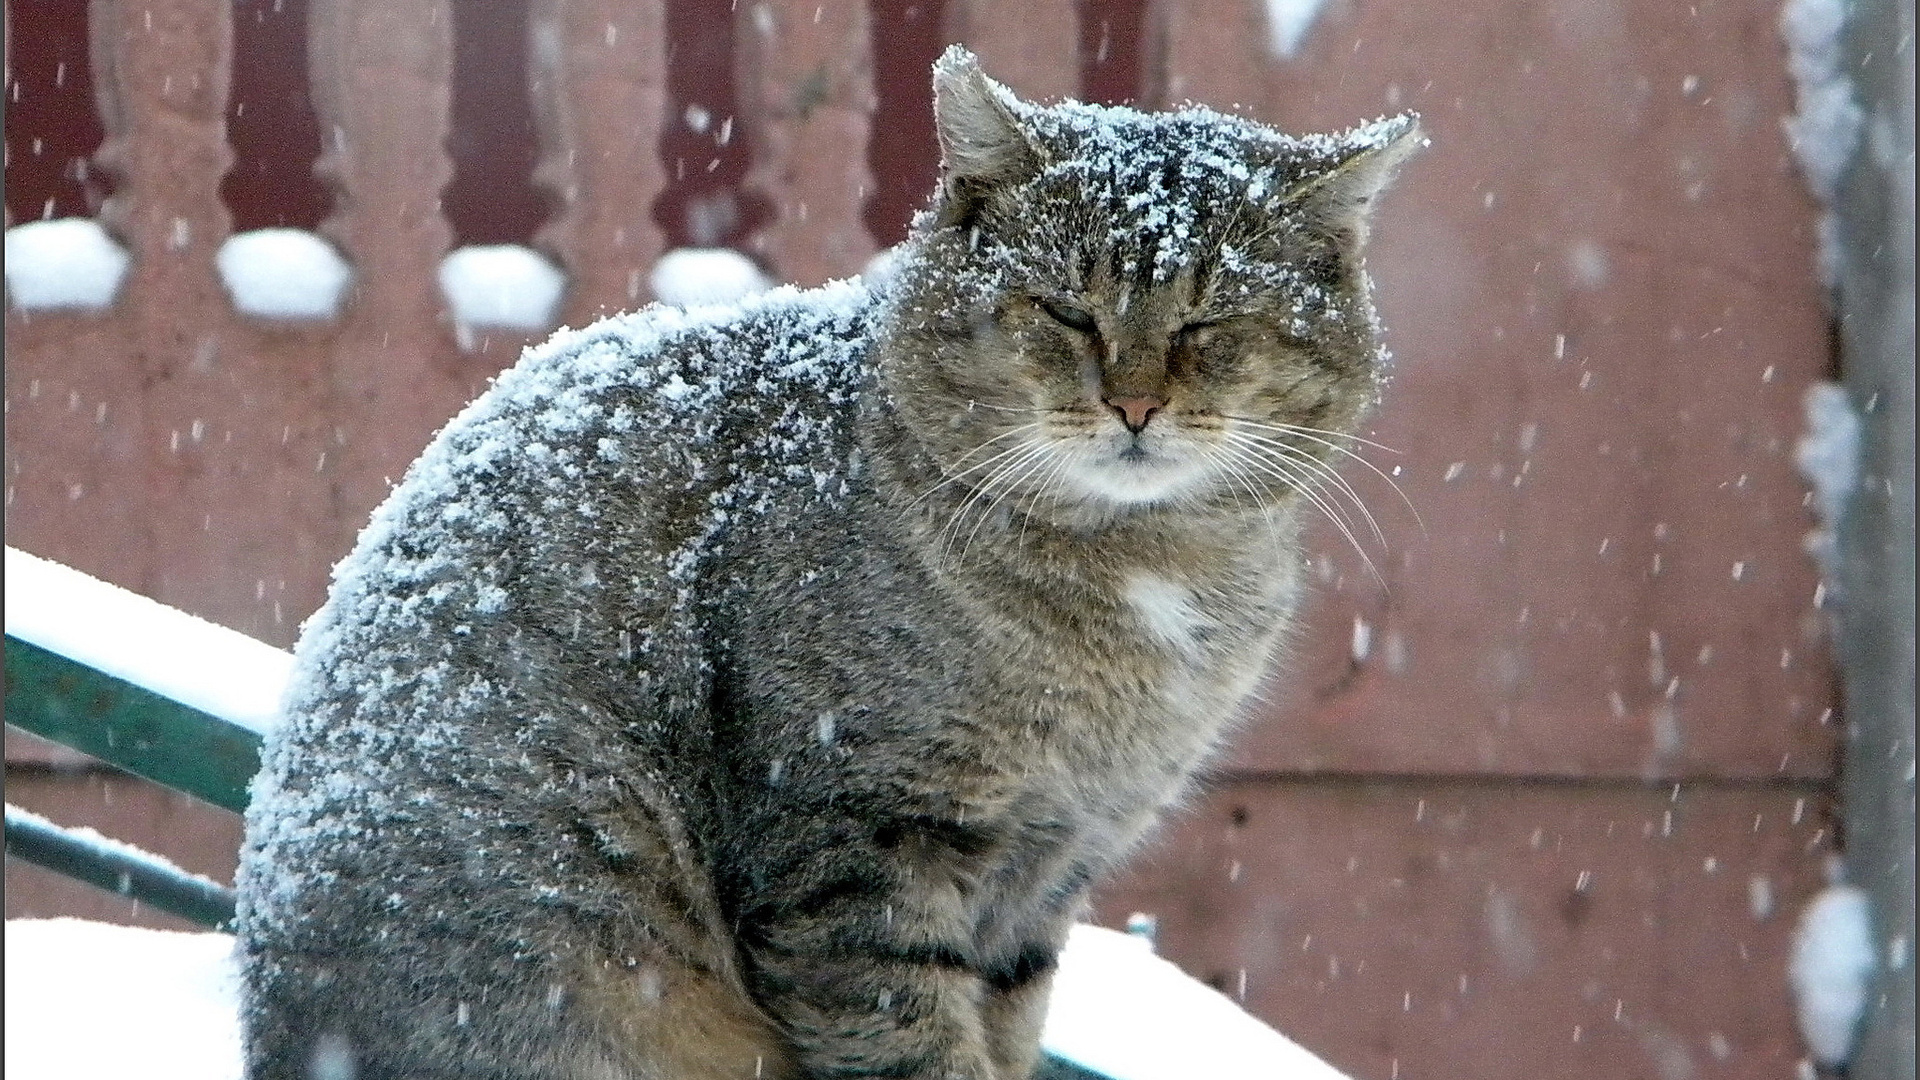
[(1598, 285), (806, 98), (1496, 930), (599, 86)]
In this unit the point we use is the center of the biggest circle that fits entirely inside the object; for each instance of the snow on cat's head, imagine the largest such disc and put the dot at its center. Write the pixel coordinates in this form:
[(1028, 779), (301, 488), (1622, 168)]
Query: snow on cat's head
[(1112, 309)]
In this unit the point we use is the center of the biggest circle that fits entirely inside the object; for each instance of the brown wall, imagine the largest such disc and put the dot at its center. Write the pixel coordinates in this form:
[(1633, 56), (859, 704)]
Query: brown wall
[(1553, 822)]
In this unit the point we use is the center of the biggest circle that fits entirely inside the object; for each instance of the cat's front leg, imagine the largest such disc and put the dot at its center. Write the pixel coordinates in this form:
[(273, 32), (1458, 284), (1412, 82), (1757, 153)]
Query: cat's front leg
[(871, 982), (1019, 984)]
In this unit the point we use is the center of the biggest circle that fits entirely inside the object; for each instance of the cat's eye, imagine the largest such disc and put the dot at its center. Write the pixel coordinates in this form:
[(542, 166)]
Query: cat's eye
[(1071, 317)]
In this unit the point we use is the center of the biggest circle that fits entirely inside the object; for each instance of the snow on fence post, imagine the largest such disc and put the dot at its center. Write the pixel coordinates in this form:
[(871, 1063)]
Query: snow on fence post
[(599, 71), (1875, 208), (805, 74)]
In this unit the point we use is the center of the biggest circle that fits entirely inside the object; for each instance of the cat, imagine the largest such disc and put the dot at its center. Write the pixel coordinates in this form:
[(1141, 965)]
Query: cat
[(757, 692)]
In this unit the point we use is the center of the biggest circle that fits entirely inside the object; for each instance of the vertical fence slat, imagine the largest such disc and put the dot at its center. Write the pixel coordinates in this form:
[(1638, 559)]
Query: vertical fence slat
[(1030, 46), (161, 75), (1213, 51), (806, 96), (382, 88), (599, 72)]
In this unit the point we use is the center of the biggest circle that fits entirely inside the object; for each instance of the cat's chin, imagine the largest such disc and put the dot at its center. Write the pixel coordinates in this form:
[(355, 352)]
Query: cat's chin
[(1135, 480)]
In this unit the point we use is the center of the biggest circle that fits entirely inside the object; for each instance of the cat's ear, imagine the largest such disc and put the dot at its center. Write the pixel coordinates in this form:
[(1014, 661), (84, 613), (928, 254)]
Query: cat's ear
[(1340, 198), (982, 145)]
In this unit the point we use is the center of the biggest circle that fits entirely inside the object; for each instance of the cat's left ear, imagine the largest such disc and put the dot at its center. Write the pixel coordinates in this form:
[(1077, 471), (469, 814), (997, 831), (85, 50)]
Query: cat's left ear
[(1341, 198), (983, 148)]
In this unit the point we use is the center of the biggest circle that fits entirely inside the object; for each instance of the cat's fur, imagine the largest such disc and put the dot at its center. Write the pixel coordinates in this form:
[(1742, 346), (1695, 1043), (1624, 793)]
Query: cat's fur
[(756, 693)]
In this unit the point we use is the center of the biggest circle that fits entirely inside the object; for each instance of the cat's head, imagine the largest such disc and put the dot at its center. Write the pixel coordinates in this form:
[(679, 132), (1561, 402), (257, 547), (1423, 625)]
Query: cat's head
[(1117, 310)]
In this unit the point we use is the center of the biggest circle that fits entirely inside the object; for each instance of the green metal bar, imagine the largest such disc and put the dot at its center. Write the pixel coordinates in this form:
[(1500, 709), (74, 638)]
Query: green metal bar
[(129, 726), (117, 868)]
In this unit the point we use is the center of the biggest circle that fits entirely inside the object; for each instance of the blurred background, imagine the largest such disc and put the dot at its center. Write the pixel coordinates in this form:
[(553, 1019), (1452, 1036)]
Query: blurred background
[(1544, 797)]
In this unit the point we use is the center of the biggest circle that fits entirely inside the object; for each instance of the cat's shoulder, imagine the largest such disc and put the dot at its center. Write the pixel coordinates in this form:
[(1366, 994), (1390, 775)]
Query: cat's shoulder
[(687, 359)]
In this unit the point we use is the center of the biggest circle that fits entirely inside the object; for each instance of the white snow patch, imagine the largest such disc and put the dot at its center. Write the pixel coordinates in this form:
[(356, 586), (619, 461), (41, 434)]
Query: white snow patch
[(500, 285), (693, 277), (95, 1001), (1828, 456), (1287, 24), (283, 274), (70, 263), (1825, 126), (1120, 1010), (172, 653), (1830, 967)]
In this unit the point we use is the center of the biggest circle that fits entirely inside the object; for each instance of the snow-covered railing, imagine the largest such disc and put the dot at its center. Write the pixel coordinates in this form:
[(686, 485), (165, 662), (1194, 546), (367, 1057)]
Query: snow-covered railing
[(137, 684), (185, 703)]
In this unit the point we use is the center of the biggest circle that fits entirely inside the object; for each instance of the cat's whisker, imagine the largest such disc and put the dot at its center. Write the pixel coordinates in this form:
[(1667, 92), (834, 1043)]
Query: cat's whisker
[(976, 466), (1029, 452), (971, 405), (1321, 469), (1276, 468), (1311, 434), (1312, 473), (1033, 464), (1218, 456), (1062, 462)]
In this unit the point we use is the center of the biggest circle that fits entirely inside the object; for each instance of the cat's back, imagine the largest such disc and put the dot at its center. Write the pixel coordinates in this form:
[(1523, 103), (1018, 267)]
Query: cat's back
[(521, 586)]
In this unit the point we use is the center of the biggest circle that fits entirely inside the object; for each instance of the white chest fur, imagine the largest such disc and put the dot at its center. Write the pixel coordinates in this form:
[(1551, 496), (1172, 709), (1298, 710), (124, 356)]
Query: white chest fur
[(1168, 612)]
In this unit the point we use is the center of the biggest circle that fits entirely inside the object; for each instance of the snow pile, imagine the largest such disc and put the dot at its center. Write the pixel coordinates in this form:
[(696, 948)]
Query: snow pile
[(501, 285), (1120, 1010), (1830, 967), (67, 263), (94, 1001), (693, 277), (1287, 24), (1828, 456), (283, 274), (194, 662), (1825, 126)]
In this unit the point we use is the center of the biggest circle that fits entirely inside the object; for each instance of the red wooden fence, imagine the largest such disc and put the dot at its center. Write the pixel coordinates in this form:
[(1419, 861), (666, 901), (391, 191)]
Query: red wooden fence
[(1541, 804)]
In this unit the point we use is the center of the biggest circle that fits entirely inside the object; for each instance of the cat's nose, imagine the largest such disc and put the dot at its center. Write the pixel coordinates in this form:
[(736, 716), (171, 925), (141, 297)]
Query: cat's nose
[(1136, 411)]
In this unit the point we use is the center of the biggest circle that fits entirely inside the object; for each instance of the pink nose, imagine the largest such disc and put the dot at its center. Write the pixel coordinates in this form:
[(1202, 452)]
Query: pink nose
[(1136, 411)]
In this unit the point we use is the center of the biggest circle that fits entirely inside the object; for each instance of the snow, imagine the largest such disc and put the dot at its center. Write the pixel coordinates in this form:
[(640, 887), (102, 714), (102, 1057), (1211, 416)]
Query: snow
[(1830, 968), (1828, 456), (1120, 1010), (208, 667), (501, 285), (692, 277), (94, 1001), (283, 274), (1825, 126), (70, 263), (1287, 24)]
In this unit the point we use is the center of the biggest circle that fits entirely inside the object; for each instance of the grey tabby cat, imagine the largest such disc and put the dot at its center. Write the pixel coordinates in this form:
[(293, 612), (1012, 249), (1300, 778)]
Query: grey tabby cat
[(756, 693)]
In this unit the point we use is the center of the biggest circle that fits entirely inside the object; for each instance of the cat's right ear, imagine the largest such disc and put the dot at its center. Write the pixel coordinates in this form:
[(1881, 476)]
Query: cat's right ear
[(983, 148)]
